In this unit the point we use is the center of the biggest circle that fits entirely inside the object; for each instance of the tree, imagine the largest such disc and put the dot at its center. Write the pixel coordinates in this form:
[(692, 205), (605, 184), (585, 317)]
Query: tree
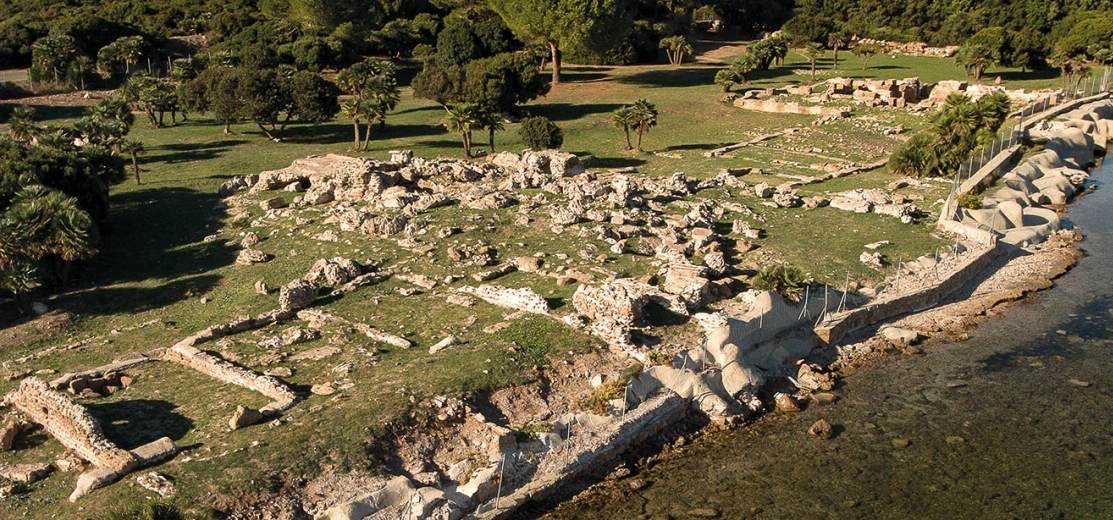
[(539, 133), (737, 73), (462, 119), (592, 24), (676, 47), (499, 83), (624, 118), (975, 58), (51, 57), (491, 121), (133, 148), (456, 44), (644, 116), (261, 98), (155, 97), (80, 68), (837, 40), (1072, 68), (215, 90), (37, 224), (954, 132), (1026, 49), (22, 126), (374, 86), (865, 51), (312, 98), (353, 110), (808, 27), (811, 52), (123, 52), (311, 53)]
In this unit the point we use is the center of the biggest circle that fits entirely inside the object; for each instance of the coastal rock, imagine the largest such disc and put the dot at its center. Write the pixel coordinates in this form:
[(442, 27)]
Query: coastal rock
[(900, 337)]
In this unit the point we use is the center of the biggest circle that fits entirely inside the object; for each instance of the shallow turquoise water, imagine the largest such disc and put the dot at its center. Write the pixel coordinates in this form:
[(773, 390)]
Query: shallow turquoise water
[(996, 427)]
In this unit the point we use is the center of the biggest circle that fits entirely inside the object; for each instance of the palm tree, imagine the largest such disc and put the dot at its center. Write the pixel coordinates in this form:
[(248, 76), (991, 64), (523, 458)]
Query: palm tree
[(812, 51), (39, 222), (372, 111), (975, 58), (490, 120), (133, 148), (114, 107), (675, 48), (837, 40), (352, 110), (644, 117), (624, 118), (54, 137), (462, 119), (22, 125)]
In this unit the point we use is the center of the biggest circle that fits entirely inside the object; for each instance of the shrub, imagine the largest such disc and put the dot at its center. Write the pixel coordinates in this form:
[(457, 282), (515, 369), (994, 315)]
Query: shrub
[(970, 201), (596, 402), (787, 280), (539, 133)]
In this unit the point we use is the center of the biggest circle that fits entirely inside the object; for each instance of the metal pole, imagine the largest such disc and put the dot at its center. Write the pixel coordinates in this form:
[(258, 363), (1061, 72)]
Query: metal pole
[(502, 469), (845, 289), (804, 311)]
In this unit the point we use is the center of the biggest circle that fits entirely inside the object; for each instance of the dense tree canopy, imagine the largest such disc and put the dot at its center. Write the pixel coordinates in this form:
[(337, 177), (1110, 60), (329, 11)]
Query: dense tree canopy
[(558, 23), (54, 194)]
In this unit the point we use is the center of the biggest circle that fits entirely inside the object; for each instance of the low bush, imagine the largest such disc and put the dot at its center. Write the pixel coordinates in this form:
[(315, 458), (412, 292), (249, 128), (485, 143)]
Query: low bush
[(539, 133)]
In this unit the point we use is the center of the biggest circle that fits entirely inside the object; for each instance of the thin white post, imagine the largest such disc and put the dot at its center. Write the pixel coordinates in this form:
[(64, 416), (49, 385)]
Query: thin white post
[(845, 289), (804, 311), (502, 470)]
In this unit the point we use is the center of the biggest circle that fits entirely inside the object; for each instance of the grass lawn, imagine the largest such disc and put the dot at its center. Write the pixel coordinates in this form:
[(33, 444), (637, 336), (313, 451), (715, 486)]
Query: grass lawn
[(155, 264)]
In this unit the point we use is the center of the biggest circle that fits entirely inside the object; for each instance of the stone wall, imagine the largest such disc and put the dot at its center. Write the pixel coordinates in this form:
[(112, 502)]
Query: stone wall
[(789, 107), (575, 463), (837, 326), (222, 370), (69, 423)]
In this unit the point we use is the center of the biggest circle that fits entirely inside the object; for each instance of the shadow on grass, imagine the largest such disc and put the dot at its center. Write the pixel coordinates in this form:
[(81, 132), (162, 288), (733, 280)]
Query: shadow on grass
[(188, 152), (46, 113), (1016, 75), (334, 133), (131, 424), (580, 76), (158, 233), (672, 77), (569, 111), (114, 300), (694, 146), (610, 162)]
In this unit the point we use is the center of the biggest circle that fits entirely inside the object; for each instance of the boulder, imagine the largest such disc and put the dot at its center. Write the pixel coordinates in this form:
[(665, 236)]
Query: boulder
[(332, 272), (297, 294), (900, 337), (244, 417), (250, 256)]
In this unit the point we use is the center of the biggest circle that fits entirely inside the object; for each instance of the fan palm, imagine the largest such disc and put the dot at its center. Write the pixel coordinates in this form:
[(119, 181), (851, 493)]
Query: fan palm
[(40, 222), (490, 120), (462, 119), (644, 117), (624, 118), (22, 125)]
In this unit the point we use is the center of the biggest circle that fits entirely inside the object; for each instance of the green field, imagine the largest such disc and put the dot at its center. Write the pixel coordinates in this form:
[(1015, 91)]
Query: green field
[(155, 264)]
